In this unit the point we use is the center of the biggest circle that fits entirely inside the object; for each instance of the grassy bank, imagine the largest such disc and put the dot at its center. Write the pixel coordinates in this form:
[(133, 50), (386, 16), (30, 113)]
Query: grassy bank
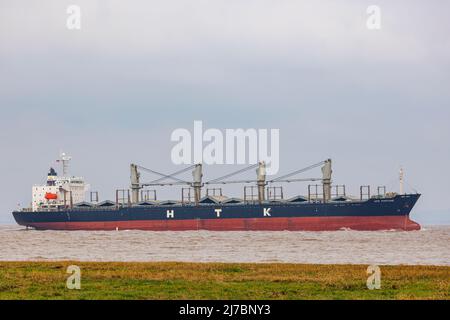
[(47, 280)]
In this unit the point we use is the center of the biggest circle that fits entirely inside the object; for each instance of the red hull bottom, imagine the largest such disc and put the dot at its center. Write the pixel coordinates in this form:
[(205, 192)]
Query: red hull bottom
[(363, 223)]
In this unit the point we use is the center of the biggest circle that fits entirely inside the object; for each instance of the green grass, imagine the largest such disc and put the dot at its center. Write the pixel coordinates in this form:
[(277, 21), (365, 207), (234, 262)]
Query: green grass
[(174, 280)]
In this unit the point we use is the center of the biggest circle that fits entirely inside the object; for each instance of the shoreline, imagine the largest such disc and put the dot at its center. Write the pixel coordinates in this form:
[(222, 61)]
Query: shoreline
[(219, 262), (198, 281)]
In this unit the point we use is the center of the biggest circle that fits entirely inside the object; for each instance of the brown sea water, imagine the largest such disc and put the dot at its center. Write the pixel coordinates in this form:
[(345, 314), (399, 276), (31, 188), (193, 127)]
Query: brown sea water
[(430, 246)]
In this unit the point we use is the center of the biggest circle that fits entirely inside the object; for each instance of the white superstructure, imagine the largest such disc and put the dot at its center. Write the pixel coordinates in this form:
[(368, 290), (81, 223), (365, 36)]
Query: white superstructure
[(59, 191)]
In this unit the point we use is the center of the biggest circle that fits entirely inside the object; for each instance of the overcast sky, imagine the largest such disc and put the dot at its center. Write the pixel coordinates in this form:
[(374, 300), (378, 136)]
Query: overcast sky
[(112, 92)]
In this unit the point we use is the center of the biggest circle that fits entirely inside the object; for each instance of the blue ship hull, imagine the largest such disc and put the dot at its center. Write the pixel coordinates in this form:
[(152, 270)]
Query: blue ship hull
[(373, 214)]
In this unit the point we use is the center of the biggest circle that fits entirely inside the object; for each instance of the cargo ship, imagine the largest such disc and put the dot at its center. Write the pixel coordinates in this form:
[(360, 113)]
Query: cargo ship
[(60, 204)]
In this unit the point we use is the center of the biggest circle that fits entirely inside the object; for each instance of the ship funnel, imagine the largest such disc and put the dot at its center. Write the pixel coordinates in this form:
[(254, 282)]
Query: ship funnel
[(261, 180), (197, 175), (326, 180)]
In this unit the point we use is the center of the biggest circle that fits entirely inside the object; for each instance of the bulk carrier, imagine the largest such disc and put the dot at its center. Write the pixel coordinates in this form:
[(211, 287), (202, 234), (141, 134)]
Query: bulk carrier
[(60, 204)]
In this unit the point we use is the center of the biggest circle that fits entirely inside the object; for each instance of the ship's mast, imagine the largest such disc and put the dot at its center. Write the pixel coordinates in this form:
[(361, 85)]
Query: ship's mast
[(402, 181), (64, 158)]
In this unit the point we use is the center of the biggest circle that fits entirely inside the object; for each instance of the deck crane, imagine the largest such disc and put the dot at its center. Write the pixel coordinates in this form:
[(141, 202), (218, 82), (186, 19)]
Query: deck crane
[(136, 185), (260, 181), (326, 177)]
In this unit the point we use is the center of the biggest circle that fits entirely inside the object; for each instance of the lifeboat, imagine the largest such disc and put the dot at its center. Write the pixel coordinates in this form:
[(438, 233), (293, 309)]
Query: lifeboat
[(51, 196)]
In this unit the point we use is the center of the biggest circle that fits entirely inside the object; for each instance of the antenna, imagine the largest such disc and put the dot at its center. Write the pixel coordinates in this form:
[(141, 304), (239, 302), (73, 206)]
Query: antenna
[(402, 181)]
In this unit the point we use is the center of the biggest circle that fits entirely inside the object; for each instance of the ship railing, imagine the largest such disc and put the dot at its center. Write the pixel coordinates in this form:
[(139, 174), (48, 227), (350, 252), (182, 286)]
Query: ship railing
[(187, 196), (250, 194), (215, 192), (123, 197), (338, 190), (274, 193), (94, 208), (75, 208), (93, 197), (315, 193), (50, 209), (364, 193), (381, 191), (148, 195)]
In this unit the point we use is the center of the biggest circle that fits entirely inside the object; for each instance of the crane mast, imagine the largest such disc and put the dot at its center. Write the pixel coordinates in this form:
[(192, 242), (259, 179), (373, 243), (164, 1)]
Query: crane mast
[(261, 180), (326, 180), (197, 182), (135, 184)]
